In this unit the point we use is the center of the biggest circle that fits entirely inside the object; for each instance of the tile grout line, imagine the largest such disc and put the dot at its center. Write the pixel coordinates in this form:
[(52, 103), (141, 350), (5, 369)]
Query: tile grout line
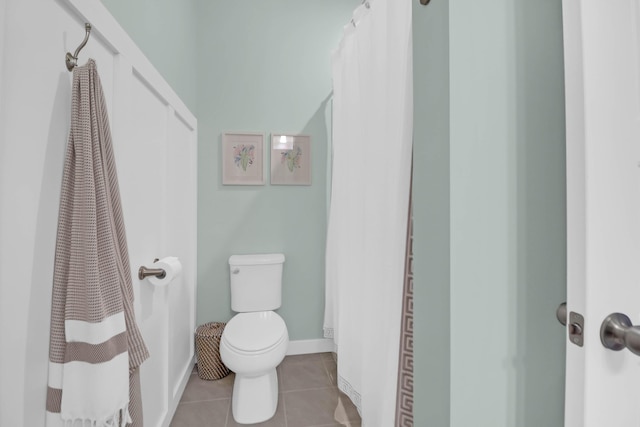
[(308, 389), (226, 421), (203, 400), (284, 410), (326, 371)]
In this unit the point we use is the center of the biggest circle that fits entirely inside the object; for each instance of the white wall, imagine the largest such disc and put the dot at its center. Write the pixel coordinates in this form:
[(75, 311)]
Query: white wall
[(30, 172)]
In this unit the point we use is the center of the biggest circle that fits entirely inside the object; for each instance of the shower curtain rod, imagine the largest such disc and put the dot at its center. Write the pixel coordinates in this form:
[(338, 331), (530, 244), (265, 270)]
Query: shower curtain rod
[(423, 2)]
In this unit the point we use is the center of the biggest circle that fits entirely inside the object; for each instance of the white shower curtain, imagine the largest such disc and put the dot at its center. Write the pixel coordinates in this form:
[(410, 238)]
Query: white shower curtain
[(371, 167)]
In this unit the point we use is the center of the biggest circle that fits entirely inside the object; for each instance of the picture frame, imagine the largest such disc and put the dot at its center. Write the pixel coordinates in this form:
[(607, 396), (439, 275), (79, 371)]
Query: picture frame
[(290, 159), (242, 158)]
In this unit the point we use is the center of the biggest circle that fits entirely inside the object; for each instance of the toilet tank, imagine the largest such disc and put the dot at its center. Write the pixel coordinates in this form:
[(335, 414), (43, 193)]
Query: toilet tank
[(256, 282)]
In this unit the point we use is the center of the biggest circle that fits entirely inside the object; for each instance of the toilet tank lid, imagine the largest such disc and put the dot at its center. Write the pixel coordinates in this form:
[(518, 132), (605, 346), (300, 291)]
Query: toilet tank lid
[(256, 259)]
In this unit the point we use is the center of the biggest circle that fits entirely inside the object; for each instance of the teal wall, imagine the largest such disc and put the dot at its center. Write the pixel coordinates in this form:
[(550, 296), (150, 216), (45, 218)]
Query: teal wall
[(482, 206), (540, 204), (165, 31), (431, 214), (507, 212), (489, 213), (265, 67)]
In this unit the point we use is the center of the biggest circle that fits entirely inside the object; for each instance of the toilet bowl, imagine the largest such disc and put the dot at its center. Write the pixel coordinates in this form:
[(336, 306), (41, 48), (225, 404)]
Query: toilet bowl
[(253, 345), (255, 340)]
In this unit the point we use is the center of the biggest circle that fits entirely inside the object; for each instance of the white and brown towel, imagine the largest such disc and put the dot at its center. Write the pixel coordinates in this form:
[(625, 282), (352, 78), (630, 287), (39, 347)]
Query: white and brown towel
[(96, 347)]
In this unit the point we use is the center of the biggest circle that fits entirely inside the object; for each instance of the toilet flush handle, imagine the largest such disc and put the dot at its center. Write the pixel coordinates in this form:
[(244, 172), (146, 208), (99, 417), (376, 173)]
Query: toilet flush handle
[(235, 271)]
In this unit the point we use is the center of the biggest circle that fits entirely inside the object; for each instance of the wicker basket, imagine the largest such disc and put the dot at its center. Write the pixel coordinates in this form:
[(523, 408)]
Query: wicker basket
[(210, 366)]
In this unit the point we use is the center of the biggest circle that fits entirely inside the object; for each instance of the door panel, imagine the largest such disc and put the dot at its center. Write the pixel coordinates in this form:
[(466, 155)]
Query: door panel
[(154, 141), (181, 231), (603, 155), (147, 144)]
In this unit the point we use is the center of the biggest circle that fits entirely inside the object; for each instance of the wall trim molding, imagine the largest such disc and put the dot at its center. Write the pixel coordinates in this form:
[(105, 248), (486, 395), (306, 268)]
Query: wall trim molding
[(320, 345), (179, 391)]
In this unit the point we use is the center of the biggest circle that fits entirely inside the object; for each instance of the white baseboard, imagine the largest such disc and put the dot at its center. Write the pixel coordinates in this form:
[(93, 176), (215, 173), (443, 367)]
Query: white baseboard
[(320, 345)]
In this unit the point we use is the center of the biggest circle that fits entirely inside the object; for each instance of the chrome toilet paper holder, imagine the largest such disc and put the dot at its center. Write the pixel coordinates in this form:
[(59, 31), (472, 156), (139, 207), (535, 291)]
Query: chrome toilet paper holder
[(146, 272)]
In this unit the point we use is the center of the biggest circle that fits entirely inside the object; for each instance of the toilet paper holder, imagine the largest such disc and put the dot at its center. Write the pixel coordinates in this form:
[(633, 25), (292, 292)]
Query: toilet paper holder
[(146, 272)]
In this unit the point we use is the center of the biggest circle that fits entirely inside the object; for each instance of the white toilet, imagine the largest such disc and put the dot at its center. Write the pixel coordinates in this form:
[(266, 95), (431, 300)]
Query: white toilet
[(255, 340)]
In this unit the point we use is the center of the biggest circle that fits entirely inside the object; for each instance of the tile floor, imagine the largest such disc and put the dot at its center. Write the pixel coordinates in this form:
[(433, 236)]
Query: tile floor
[(308, 397)]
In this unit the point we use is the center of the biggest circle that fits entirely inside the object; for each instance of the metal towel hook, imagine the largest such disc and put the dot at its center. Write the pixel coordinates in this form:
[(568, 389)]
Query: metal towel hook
[(72, 60)]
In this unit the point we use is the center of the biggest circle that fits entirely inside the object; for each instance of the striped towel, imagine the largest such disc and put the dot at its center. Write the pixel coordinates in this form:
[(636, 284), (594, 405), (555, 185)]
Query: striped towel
[(95, 346)]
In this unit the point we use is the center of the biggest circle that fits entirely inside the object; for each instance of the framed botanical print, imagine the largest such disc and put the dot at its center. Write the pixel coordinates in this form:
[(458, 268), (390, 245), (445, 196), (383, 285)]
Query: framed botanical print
[(290, 159), (242, 159)]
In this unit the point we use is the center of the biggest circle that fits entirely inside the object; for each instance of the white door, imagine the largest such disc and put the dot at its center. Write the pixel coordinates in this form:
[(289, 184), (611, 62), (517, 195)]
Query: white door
[(602, 77), (155, 146)]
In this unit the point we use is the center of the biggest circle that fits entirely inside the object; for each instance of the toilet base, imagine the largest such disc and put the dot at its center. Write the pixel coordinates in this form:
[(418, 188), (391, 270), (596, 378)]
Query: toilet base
[(255, 399)]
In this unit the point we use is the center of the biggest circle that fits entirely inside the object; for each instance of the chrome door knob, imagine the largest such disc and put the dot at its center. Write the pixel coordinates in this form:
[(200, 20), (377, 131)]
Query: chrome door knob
[(617, 332), (561, 313)]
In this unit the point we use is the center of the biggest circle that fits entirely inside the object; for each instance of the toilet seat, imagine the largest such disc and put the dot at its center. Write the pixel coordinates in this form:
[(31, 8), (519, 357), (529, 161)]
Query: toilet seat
[(255, 332)]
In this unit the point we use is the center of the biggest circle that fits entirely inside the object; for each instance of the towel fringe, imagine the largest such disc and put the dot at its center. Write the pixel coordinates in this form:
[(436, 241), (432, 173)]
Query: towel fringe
[(121, 418)]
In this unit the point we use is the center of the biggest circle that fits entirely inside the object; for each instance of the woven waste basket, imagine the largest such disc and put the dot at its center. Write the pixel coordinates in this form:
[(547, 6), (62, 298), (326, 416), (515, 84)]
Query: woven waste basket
[(210, 366)]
